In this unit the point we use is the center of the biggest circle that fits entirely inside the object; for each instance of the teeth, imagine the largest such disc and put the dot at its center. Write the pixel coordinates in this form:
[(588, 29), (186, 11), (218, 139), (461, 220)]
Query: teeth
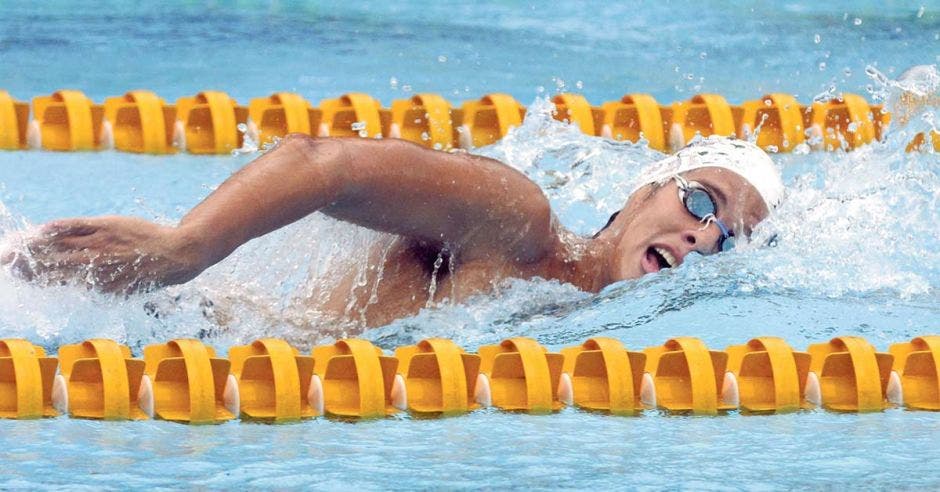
[(668, 256)]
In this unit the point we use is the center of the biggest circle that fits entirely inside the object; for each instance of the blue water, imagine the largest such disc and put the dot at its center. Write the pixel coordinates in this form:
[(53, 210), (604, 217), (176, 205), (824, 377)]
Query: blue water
[(858, 250)]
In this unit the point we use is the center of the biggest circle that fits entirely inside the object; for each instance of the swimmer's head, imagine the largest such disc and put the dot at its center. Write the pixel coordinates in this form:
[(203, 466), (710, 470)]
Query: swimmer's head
[(695, 201)]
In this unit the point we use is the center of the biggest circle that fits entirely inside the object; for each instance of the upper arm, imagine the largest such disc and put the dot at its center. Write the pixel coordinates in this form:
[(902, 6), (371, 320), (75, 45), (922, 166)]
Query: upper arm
[(478, 205)]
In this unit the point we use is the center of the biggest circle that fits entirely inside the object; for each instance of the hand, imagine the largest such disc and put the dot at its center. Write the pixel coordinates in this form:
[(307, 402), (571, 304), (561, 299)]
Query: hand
[(112, 254)]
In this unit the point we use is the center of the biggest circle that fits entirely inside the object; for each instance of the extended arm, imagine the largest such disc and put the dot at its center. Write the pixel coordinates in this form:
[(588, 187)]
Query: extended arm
[(469, 202), (476, 205)]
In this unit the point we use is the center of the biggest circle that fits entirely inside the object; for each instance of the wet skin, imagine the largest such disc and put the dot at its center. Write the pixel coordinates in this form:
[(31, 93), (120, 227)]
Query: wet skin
[(482, 219)]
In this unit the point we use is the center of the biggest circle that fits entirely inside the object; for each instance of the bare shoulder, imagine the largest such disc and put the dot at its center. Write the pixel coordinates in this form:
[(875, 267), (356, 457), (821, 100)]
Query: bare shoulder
[(477, 205)]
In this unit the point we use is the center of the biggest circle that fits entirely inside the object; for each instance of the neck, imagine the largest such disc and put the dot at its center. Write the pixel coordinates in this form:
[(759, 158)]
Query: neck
[(583, 262)]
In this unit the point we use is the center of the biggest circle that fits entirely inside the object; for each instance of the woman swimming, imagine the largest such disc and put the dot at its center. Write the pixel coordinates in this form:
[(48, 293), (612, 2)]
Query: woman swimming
[(460, 221)]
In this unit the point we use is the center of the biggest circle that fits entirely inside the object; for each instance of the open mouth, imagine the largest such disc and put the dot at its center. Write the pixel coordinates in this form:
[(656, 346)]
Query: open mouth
[(663, 258)]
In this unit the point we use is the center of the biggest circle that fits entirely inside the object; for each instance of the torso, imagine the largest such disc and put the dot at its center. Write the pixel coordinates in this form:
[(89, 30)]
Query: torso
[(403, 277)]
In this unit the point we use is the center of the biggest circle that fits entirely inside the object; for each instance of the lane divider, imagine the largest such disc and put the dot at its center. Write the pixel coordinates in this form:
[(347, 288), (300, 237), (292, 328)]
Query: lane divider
[(211, 122), (606, 376), (98, 379), (14, 121), (522, 375), (635, 116), (918, 364), (687, 376), (274, 382), (271, 381), (358, 380), (26, 378), (139, 122), (186, 382), (852, 376), (766, 375)]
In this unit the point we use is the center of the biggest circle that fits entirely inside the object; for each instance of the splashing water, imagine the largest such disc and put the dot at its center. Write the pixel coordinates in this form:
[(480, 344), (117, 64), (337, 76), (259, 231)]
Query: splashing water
[(856, 246)]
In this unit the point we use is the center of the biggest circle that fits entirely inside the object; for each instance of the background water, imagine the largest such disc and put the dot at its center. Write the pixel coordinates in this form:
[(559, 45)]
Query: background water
[(857, 251)]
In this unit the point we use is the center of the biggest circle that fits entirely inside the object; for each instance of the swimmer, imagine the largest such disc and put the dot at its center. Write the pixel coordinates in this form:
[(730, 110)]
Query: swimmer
[(461, 221)]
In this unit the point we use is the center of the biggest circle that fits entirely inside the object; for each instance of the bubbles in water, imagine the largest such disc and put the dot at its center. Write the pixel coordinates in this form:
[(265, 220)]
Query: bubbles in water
[(817, 39), (857, 21), (920, 12), (442, 59), (358, 126), (822, 66)]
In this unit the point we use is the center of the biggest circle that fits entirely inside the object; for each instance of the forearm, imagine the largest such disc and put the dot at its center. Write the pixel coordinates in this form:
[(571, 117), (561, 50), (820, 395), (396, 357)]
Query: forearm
[(288, 183)]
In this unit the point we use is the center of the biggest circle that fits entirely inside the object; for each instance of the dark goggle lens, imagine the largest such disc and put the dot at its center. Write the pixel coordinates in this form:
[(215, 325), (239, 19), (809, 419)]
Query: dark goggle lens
[(727, 244), (699, 203)]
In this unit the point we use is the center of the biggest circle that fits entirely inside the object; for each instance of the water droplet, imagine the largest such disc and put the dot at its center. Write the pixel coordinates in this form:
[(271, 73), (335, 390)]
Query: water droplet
[(847, 71), (358, 126), (363, 134), (857, 21), (540, 89), (579, 84), (442, 59), (817, 39), (920, 12), (393, 83), (822, 66), (242, 127), (406, 88), (438, 146), (425, 137), (703, 55)]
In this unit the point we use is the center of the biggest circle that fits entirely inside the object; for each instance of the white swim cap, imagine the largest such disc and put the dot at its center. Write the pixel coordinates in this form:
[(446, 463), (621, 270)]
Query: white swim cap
[(738, 156)]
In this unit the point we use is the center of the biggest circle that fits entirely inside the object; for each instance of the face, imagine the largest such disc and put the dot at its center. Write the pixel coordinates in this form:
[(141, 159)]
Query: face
[(656, 231)]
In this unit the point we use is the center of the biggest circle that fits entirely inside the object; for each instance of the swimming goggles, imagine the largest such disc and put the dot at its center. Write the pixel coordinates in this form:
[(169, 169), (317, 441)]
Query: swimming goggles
[(699, 202)]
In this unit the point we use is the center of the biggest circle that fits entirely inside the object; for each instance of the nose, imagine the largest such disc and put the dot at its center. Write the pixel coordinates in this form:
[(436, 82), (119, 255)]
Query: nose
[(703, 238)]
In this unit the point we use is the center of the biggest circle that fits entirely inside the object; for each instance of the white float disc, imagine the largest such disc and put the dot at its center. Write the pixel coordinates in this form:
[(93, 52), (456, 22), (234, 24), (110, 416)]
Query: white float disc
[(33, 135), (107, 135), (481, 393), (648, 391), (253, 133), (894, 391), (145, 396), (60, 394), (179, 135), (465, 137), (315, 394), (399, 393), (813, 393), (729, 391), (565, 389), (231, 397), (676, 137)]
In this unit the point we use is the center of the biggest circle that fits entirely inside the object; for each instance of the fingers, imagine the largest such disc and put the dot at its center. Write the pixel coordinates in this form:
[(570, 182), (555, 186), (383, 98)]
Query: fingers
[(71, 227)]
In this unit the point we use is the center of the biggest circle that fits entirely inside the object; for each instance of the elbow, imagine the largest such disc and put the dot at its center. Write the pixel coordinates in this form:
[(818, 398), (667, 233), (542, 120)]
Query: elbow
[(310, 148)]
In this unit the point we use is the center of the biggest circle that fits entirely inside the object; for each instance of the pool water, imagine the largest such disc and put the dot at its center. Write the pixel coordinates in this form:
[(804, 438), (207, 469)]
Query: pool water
[(857, 252)]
